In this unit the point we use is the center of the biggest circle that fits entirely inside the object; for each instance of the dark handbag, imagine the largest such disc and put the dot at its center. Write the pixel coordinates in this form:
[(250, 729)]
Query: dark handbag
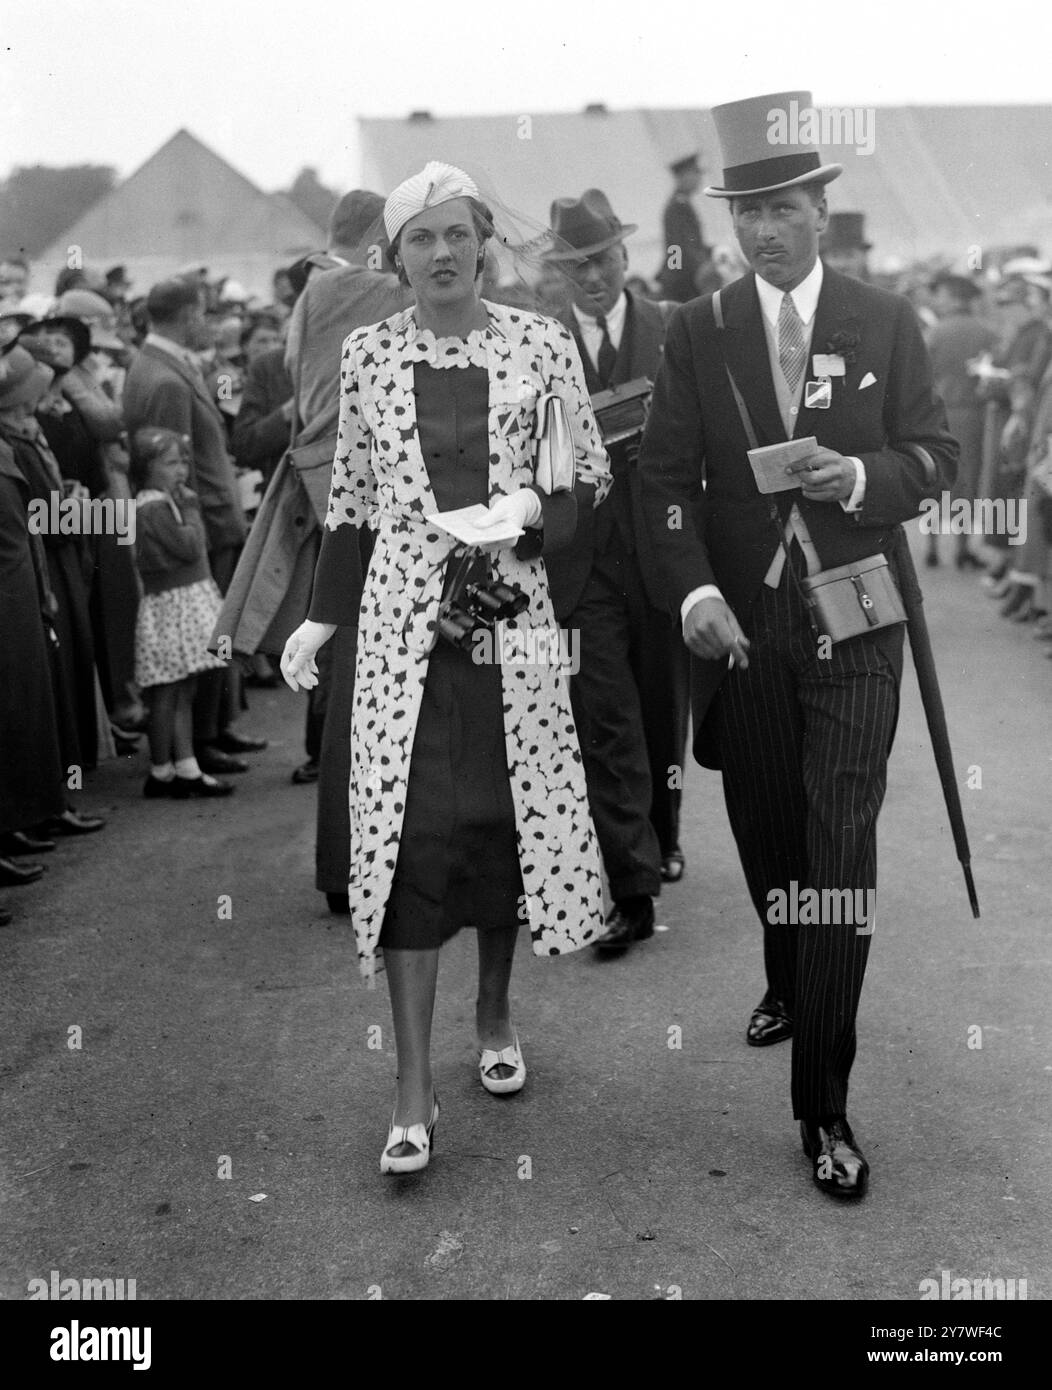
[(845, 601)]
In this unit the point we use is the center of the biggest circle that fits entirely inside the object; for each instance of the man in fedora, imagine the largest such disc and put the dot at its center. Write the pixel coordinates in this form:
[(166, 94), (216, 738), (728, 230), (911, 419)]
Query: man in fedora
[(629, 697), (843, 245), (800, 725), (685, 252)]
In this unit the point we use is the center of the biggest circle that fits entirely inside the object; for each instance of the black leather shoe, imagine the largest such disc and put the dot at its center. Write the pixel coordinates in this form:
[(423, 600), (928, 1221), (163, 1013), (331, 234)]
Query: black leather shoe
[(18, 842), (770, 1022), (13, 875), (184, 787), (72, 823), (155, 787), (627, 923), (306, 772), (213, 759), (338, 904), (672, 866), (840, 1166), (229, 742)]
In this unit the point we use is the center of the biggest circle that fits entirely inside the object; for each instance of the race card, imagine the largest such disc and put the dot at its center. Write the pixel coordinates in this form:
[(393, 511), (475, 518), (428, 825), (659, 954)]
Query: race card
[(770, 462)]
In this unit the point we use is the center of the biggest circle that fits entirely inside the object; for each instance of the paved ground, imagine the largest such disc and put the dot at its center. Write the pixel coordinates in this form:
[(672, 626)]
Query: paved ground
[(627, 1167)]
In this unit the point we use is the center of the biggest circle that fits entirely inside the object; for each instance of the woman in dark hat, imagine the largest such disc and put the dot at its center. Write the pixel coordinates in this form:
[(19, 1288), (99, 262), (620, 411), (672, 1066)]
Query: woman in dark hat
[(85, 430), (22, 391)]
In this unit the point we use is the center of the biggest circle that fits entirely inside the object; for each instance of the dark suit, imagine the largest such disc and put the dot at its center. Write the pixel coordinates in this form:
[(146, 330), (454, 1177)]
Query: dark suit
[(630, 696), (166, 393), (261, 431), (163, 392), (683, 235), (802, 738)]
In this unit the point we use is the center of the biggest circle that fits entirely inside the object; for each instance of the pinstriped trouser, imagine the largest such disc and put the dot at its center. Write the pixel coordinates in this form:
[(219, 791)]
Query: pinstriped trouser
[(805, 742)]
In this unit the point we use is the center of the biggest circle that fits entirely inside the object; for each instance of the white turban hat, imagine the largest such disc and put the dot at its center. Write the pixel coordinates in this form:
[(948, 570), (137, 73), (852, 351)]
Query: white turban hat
[(436, 183)]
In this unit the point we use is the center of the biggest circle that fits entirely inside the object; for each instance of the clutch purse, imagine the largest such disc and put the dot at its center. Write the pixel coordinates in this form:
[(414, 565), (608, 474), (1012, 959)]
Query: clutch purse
[(851, 599), (555, 467)]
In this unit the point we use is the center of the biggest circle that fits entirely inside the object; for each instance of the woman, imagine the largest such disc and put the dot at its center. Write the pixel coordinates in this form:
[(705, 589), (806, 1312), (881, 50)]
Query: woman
[(85, 431), (468, 801), (21, 394)]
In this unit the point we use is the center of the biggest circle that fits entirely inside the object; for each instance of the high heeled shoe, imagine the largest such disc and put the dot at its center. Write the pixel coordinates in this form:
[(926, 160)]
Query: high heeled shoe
[(490, 1059), (420, 1137)]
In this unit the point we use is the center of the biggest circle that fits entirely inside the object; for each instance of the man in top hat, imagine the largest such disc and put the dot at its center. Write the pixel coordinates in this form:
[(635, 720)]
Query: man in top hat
[(800, 725), (843, 245), (685, 251), (630, 695)]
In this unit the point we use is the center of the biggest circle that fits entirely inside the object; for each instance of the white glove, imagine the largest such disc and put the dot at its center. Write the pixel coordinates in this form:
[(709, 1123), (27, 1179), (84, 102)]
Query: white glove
[(523, 508), (298, 665)]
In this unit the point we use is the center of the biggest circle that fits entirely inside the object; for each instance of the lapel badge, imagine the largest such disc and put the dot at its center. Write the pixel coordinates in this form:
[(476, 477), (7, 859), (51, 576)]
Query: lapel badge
[(828, 364), (818, 395)]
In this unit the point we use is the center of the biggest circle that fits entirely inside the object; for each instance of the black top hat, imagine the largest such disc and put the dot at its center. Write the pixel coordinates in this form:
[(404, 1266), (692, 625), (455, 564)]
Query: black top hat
[(586, 225), (762, 148), (846, 232), (687, 163)]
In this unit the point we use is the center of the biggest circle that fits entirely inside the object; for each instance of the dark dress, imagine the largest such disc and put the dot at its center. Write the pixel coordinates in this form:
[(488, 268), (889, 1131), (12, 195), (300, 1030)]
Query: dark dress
[(458, 858)]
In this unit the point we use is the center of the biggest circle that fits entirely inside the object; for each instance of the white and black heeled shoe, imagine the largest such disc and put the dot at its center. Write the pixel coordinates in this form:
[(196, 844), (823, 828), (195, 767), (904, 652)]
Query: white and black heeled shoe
[(420, 1137), (490, 1059)]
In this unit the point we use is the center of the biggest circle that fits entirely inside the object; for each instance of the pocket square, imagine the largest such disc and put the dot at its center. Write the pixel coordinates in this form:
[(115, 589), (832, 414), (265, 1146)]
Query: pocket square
[(867, 380)]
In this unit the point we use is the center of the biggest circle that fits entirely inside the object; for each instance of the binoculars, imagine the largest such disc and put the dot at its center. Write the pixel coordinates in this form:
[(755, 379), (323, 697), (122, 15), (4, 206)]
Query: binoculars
[(474, 606)]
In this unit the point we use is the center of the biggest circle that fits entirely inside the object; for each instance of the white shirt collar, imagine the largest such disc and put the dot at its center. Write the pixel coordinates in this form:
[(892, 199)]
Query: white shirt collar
[(615, 319), (805, 296)]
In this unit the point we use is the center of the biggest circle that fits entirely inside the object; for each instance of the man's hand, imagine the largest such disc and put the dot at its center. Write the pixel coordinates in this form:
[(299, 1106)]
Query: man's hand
[(826, 476), (711, 630)]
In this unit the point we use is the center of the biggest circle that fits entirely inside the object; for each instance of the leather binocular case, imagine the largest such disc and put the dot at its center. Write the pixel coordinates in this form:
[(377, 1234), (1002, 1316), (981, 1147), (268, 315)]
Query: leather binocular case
[(852, 599), (621, 412)]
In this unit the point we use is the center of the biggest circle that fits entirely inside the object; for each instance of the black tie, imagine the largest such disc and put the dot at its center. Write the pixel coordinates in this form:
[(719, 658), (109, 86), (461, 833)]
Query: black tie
[(607, 353)]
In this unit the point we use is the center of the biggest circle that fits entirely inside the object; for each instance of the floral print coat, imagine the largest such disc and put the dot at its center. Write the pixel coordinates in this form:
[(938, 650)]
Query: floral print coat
[(379, 479)]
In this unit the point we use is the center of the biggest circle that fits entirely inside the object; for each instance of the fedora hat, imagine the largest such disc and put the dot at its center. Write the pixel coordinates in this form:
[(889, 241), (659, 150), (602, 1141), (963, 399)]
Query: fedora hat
[(846, 232), (752, 162), (23, 380), (586, 226)]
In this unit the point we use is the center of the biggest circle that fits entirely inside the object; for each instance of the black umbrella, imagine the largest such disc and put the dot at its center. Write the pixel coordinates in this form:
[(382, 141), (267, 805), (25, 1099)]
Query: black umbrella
[(935, 714)]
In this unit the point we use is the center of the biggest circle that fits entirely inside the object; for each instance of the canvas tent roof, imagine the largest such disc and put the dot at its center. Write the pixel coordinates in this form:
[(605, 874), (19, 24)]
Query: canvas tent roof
[(186, 203), (939, 179)]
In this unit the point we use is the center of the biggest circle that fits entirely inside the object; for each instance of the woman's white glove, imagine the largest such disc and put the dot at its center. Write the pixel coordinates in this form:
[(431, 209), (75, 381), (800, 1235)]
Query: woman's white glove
[(522, 508), (298, 665)]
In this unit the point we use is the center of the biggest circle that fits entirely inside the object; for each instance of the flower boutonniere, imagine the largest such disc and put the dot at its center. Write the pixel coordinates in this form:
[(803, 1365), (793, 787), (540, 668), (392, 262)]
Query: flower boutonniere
[(845, 341)]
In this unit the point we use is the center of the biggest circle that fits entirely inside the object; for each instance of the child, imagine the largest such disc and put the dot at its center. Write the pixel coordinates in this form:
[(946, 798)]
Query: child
[(178, 611)]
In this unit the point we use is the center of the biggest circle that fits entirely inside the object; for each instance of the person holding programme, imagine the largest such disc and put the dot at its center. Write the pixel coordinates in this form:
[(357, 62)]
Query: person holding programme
[(467, 799)]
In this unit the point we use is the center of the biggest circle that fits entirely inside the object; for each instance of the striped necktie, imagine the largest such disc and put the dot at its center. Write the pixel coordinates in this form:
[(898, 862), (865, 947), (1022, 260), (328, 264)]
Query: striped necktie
[(791, 351)]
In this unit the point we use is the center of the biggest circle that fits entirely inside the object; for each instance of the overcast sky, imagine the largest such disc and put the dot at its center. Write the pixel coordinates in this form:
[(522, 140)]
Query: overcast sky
[(272, 86)]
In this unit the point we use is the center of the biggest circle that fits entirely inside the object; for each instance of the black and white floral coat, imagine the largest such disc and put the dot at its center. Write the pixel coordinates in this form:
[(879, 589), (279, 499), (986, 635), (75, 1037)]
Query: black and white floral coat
[(379, 479)]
